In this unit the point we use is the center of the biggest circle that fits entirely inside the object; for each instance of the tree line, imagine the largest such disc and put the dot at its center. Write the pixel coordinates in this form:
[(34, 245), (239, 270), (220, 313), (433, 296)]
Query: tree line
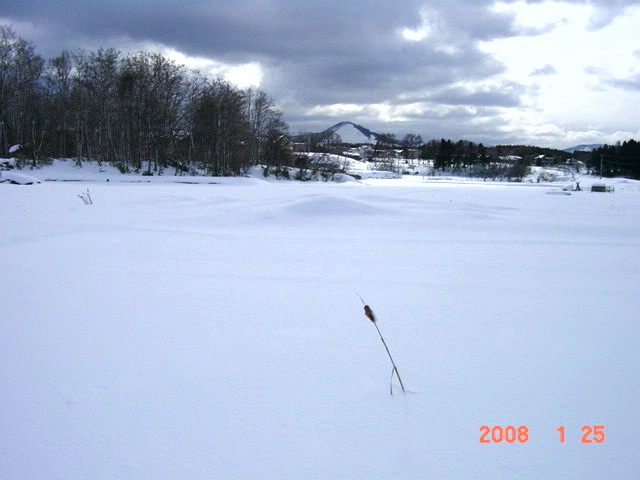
[(512, 161), (141, 112), (619, 160), (460, 157)]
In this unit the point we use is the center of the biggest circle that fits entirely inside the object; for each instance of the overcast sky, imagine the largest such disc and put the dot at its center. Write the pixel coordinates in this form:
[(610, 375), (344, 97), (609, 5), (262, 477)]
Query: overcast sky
[(536, 72)]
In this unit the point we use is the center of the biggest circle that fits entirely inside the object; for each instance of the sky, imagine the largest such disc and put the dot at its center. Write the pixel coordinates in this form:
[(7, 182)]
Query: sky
[(545, 73)]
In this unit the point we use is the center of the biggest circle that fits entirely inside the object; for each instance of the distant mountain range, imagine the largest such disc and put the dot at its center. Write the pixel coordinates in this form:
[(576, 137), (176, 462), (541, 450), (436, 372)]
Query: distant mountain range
[(584, 148)]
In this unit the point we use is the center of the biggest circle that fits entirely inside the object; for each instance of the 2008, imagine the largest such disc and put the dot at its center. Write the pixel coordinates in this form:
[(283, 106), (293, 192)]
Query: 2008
[(508, 434)]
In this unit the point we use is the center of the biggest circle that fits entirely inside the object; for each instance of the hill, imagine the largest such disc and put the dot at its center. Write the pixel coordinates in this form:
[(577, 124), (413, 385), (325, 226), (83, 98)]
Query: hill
[(348, 132)]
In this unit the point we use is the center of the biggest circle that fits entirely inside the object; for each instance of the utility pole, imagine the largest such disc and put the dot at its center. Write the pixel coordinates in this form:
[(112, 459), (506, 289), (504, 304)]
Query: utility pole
[(601, 155)]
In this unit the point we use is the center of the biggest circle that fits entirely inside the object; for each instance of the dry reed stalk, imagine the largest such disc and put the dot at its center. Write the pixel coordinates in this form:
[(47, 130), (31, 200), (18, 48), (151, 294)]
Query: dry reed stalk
[(369, 314), (86, 197)]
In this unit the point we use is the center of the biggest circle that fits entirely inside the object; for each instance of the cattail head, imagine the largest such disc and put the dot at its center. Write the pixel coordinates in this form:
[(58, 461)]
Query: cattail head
[(369, 313)]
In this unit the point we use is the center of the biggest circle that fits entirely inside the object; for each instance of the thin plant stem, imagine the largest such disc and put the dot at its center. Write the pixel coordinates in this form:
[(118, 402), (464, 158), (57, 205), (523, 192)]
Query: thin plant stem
[(395, 369), (369, 314)]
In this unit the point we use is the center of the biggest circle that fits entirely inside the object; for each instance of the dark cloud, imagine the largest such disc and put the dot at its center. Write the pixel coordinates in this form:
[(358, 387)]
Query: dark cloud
[(312, 52), (507, 94)]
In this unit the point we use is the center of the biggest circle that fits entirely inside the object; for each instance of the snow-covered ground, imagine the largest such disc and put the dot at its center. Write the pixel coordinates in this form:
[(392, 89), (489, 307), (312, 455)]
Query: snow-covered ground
[(198, 331)]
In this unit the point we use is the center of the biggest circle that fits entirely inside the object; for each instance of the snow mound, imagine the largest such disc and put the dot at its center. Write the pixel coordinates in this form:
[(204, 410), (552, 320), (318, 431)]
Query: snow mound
[(325, 205), (18, 178)]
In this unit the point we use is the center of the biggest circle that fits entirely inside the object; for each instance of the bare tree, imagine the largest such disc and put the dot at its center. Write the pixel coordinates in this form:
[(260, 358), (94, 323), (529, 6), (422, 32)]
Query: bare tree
[(96, 90), (21, 120), (59, 89), (220, 130), (150, 100), (266, 124), (142, 111)]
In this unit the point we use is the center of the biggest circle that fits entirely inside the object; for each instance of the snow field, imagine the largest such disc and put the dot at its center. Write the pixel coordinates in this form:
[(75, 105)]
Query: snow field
[(213, 331)]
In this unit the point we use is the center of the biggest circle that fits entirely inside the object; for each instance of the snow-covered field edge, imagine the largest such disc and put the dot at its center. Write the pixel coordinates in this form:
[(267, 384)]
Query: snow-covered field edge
[(211, 328), (68, 171)]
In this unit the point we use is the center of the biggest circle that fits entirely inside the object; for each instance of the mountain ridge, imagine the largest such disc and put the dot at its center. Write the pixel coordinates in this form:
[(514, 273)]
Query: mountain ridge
[(584, 147)]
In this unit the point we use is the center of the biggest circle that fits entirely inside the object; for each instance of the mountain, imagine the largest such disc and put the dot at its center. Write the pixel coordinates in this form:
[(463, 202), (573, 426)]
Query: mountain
[(349, 132), (584, 148)]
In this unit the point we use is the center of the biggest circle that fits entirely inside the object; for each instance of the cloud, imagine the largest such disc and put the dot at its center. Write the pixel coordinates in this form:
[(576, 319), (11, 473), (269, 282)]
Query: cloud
[(605, 78), (548, 69), (418, 63), (339, 49), (631, 83), (605, 12), (506, 94)]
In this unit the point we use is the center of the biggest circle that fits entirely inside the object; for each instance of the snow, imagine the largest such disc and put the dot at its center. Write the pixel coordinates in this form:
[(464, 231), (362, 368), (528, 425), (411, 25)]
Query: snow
[(174, 330), (17, 178)]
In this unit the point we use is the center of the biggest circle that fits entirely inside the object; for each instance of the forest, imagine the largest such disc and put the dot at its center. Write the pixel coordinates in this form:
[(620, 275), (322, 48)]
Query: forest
[(141, 112), (619, 160)]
